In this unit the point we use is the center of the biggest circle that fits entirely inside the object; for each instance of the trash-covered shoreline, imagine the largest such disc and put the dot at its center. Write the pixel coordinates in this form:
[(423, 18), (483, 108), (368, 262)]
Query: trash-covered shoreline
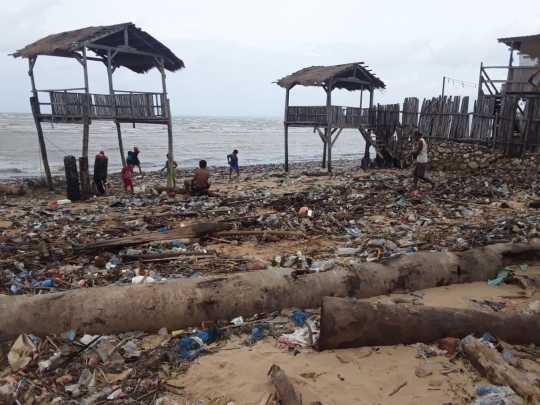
[(353, 215), (306, 221)]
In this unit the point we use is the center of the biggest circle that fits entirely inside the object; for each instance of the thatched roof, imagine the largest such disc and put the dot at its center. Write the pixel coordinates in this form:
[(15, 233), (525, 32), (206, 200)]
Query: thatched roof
[(67, 43), (321, 75), (529, 44)]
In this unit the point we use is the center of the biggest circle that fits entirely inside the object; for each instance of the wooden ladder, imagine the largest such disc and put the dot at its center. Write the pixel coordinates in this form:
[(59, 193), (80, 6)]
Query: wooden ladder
[(369, 135)]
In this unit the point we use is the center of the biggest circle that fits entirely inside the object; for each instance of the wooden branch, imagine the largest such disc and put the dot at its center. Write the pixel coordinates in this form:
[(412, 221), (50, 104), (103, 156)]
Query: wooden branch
[(246, 233), (284, 387), (490, 364)]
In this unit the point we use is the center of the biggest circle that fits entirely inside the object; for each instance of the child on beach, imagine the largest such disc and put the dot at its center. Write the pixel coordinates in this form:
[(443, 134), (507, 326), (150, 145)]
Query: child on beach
[(232, 159), (129, 158), (127, 177), (175, 165)]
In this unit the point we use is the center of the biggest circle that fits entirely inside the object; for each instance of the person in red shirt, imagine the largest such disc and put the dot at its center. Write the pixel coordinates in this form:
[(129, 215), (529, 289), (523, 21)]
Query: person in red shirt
[(101, 155), (127, 177)]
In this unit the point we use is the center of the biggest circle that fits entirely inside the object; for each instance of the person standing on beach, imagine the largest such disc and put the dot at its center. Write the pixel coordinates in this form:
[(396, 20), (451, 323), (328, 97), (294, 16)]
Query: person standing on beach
[(420, 153), (175, 165), (232, 159), (127, 177), (129, 157), (135, 159)]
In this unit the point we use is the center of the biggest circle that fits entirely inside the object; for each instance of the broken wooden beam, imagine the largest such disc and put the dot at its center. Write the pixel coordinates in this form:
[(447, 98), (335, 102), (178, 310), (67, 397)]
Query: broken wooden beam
[(176, 304), (190, 231), (164, 256), (284, 387), (246, 233), (11, 190), (491, 365), (349, 323)]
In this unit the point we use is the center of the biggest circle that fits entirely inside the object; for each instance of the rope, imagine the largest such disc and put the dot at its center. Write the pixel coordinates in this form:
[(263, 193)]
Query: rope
[(63, 151)]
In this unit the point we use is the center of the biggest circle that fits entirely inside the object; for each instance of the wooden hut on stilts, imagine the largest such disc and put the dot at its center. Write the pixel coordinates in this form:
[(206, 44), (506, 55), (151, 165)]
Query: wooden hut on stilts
[(329, 120), (116, 46)]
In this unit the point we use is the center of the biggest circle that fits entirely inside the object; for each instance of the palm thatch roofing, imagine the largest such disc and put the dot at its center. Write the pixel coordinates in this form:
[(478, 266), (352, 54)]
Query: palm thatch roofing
[(350, 76), (528, 45), (70, 42)]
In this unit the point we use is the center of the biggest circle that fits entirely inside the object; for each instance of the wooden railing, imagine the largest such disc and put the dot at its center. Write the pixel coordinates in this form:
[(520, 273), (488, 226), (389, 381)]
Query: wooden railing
[(318, 115), (516, 79), (69, 104)]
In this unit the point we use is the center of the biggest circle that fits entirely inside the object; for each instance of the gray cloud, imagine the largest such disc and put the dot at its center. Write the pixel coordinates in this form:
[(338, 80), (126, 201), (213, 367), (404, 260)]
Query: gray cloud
[(233, 50)]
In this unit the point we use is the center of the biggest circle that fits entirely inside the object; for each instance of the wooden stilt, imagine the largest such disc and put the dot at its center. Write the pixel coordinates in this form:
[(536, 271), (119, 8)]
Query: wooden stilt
[(329, 123), (170, 137), (324, 148), (84, 178), (43, 149), (286, 130), (286, 148), (120, 144), (86, 105)]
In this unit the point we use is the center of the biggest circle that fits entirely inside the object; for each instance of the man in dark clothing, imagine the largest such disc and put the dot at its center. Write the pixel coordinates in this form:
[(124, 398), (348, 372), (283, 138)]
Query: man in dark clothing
[(135, 159)]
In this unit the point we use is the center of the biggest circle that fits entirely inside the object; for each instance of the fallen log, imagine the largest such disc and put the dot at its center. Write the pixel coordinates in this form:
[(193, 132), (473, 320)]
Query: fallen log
[(349, 323), (284, 387), (190, 231), (245, 233), (179, 303), (11, 190), (491, 365)]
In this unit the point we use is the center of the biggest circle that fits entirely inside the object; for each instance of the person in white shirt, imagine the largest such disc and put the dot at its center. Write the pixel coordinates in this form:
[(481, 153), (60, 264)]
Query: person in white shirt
[(420, 153)]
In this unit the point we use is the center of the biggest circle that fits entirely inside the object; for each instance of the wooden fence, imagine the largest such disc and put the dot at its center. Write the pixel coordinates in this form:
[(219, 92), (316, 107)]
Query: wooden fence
[(509, 122)]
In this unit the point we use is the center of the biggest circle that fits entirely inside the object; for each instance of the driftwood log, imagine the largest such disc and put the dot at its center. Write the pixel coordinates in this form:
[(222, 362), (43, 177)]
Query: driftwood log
[(347, 323), (11, 190), (491, 365), (179, 303), (190, 231)]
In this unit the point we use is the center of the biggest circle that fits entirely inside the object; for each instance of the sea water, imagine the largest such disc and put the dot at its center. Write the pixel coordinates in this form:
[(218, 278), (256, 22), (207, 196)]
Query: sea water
[(259, 141)]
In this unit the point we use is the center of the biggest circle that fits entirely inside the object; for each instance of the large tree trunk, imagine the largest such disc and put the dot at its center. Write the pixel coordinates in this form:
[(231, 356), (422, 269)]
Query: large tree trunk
[(347, 323), (491, 365), (179, 303)]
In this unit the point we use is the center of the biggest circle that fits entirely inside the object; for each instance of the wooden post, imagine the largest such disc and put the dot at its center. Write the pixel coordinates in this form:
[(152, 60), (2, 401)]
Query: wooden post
[(84, 175), (86, 106), (286, 128), (170, 136), (480, 82), (169, 121), (329, 125), (511, 54), (324, 148), (120, 144), (113, 106), (33, 105), (361, 96)]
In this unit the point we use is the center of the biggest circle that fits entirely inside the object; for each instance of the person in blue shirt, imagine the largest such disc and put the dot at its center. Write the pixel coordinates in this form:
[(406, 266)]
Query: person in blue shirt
[(129, 158), (232, 159)]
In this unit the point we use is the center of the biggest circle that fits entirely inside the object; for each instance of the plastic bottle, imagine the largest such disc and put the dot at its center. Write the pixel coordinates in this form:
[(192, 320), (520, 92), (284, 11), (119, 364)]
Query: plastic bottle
[(347, 251), (322, 265), (484, 390), (62, 202)]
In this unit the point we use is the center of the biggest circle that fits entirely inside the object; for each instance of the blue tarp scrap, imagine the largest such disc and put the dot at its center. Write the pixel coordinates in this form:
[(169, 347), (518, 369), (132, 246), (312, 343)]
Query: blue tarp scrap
[(298, 318)]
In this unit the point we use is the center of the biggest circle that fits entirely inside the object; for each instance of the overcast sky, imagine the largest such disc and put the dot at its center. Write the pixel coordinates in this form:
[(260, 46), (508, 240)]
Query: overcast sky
[(234, 49)]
